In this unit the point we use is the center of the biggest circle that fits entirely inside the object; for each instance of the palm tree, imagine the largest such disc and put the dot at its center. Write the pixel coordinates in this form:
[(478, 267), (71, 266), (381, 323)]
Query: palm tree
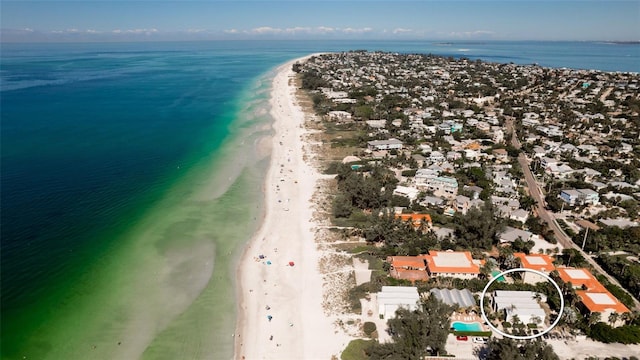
[(613, 318), (594, 318)]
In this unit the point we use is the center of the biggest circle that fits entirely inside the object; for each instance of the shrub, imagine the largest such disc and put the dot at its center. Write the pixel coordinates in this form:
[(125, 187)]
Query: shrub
[(506, 324), (369, 328), (356, 350)]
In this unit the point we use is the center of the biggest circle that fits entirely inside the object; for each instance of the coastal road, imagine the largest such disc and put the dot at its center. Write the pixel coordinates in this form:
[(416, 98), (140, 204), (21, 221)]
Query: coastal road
[(548, 217)]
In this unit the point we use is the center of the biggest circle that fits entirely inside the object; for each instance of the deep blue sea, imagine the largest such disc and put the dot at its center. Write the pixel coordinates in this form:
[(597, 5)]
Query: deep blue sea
[(109, 151)]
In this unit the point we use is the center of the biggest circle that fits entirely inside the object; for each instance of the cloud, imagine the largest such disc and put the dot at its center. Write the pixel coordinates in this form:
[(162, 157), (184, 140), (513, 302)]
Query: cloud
[(470, 34), (135, 31), (401, 31), (325, 29), (357, 31), (265, 30), (319, 30), (231, 31)]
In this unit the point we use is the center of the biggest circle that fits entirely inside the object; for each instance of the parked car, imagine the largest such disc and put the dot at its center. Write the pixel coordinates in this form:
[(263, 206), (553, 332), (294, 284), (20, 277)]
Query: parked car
[(479, 340), (462, 338)]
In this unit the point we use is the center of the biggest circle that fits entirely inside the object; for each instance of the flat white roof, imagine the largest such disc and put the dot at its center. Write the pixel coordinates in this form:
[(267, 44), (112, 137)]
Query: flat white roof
[(396, 289), (514, 294), (577, 274), (445, 259), (601, 299), (535, 260)]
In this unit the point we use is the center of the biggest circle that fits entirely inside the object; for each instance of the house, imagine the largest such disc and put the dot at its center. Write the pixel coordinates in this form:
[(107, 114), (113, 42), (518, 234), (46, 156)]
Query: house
[(462, 298), (436, 157), (458, 264), (410, 193), (497, 136), (519, 304), (384, 144), (519, 215), (412, 268), (579, 278), (422, 175), (443, 186), (339, 116), (545, 162), (392, 298), (539, 262), (474, 190), (501, 155), (579, 197), (417, 220), (432, 201), (510, 235), (561, 171), (603, 302), (462, 204)]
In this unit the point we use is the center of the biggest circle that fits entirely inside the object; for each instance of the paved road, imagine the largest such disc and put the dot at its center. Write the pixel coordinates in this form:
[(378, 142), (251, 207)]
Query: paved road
[(548, 217)]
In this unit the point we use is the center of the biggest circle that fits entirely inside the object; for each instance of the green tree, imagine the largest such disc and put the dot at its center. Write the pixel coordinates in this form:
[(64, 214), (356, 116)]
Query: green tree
[(416, 333), (507, 348), (342, 207), (478, 228)]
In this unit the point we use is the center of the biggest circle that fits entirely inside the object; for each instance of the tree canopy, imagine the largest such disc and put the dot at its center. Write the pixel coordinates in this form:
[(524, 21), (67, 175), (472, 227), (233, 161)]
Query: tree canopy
[(416, 333), (506, 348)]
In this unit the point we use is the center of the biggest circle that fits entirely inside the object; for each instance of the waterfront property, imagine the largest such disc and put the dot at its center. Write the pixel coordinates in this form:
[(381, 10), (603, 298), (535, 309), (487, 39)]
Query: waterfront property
[(449, 263), (392, 298), (462, 298), (521, 305), (539, 262)]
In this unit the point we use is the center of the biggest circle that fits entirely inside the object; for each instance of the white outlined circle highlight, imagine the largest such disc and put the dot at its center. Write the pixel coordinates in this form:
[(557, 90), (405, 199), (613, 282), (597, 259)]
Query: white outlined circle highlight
[(527, 337)]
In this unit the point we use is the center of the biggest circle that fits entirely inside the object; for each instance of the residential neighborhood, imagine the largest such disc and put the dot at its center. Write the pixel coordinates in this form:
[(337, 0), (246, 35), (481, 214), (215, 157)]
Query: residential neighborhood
[(452, 171)]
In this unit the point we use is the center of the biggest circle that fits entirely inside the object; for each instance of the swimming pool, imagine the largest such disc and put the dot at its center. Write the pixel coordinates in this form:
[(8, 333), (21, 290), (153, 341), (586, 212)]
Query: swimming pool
[(462, 326), (494, 273)]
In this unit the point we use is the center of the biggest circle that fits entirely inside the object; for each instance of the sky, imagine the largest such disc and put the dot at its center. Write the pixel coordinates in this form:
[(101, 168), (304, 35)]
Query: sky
[(582, 20)]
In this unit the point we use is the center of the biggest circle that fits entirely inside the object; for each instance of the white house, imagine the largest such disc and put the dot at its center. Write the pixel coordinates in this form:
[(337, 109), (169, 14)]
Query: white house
[(520, 304), (392, 298), (408, 192), (384, 144), (580, 196), (443, 186)]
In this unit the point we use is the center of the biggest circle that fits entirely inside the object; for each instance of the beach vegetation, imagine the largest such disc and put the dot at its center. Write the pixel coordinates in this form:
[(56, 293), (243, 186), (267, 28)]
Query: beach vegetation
[(355, 350), (627, 334), (369, 328)]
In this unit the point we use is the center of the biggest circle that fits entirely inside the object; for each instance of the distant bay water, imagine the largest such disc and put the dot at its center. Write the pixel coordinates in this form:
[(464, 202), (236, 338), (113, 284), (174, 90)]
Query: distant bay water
[(122, 160)]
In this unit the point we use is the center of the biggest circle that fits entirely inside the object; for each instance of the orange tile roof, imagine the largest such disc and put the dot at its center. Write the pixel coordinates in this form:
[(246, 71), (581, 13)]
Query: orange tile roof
[(473, 146), (540, 262), (465, 264), (600, 301), (413, 275), (407, 262), (580, 278), (416, 219)]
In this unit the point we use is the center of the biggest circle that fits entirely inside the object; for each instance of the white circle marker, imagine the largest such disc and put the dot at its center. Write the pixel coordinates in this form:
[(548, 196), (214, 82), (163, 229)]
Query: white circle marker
[(527, 337)]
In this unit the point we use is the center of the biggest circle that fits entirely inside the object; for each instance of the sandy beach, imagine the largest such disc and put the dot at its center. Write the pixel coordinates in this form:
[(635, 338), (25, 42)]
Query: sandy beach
[(280, 314)]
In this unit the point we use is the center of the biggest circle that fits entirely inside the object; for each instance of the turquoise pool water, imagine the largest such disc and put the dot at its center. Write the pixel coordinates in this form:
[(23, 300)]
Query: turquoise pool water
[(500, 279), (461, 326)]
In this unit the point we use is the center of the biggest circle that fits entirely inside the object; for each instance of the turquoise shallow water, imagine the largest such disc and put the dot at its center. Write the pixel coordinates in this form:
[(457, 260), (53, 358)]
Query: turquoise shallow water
[(130, 181)]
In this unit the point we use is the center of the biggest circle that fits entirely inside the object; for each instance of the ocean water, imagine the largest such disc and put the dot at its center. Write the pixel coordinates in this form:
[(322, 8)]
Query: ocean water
[(131, 178)]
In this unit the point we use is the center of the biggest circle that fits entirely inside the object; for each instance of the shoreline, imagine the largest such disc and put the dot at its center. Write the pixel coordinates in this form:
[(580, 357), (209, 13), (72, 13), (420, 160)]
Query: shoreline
[(280, 286)]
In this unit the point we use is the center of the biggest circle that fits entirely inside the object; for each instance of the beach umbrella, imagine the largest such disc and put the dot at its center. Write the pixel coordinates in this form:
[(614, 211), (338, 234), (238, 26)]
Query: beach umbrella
[(261, 256), (291, 263), (268, 262)]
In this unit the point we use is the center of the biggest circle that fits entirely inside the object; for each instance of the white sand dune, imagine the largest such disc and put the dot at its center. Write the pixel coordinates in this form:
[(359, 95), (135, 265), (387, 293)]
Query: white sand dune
[(291, 295)]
